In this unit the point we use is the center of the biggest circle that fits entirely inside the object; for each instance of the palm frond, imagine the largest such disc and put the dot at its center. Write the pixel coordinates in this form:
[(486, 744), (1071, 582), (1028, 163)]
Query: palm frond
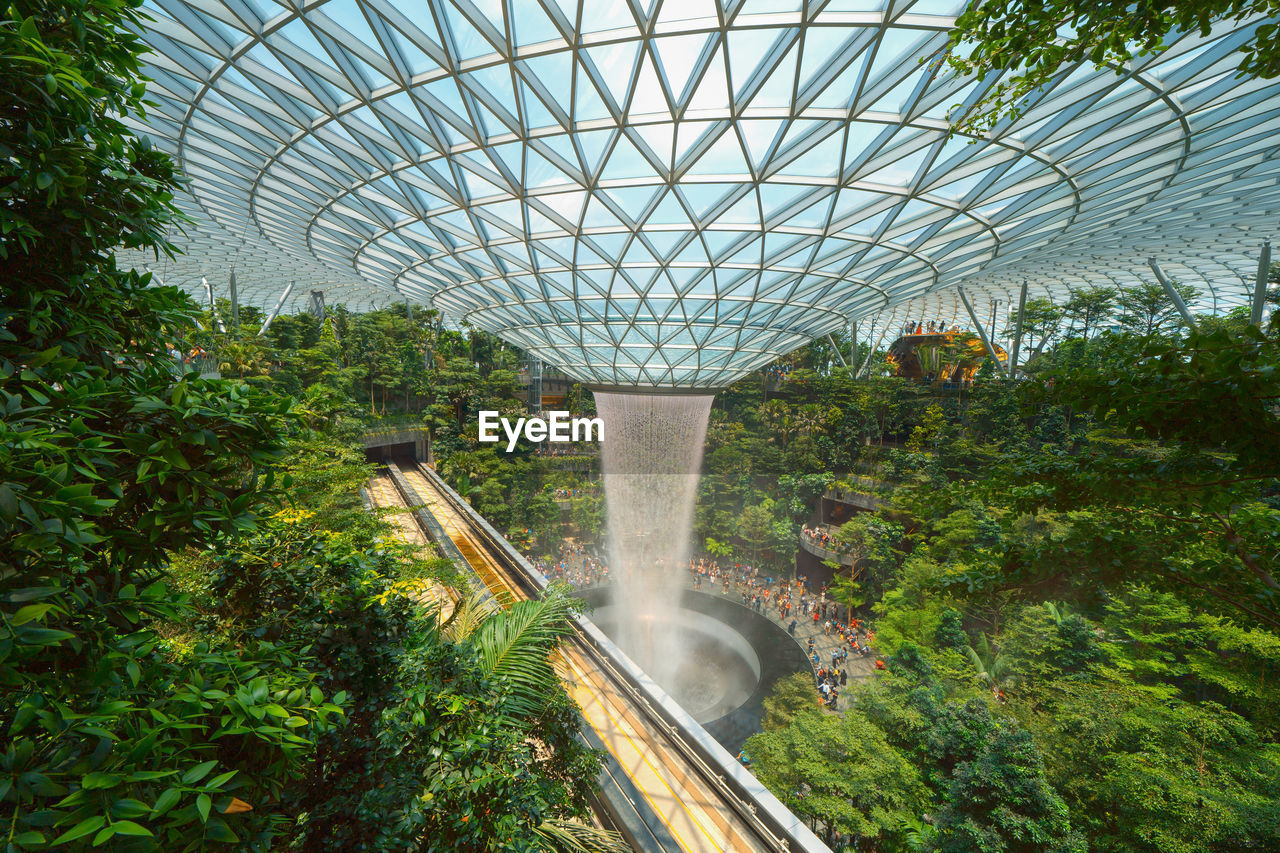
[(468, 615), (567, 836), (516, 643), (979, 665)]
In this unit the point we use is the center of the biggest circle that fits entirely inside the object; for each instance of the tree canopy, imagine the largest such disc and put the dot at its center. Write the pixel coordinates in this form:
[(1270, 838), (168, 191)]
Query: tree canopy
[(1032, 43)]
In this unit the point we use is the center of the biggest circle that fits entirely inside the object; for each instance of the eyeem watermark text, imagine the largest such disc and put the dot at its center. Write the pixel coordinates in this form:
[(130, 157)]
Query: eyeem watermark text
[(557, 427)]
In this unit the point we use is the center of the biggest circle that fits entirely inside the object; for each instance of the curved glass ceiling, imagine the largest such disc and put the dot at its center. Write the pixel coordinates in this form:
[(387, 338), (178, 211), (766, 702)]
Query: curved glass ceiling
[(674, 192)]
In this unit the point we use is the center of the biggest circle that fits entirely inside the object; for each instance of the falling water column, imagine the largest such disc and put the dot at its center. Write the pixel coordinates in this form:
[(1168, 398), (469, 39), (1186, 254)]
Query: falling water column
[(652, 455)]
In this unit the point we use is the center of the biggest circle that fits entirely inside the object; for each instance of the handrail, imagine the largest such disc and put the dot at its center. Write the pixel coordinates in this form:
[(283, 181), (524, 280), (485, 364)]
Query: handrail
[(824, 553)]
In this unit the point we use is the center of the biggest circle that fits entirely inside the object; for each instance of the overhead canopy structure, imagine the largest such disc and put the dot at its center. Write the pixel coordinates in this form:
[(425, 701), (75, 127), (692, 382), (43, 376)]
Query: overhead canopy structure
[(675, 192)]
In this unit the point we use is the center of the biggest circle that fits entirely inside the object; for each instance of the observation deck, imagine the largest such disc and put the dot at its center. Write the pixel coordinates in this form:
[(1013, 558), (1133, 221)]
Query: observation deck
[(824, 551)]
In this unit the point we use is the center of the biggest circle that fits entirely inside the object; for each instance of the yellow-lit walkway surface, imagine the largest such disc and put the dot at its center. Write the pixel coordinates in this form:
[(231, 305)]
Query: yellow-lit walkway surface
[(691, 815)]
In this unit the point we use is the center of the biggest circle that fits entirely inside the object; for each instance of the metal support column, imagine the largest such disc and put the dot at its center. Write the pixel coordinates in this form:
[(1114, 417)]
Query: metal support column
[(535, 384), (215, 317), (1260, 286), (317, 304), (1172, 293), (866, 365), (1017, 332), (982, 333), (235, 301), (284, 296), (839, 354)]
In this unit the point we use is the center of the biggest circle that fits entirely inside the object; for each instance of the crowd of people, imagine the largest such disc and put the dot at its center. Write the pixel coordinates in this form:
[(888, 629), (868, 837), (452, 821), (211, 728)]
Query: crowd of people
[(778, 371), (566, 494), (777, 600), (577, 567), (928, 327), (786, 602), (822, 538)]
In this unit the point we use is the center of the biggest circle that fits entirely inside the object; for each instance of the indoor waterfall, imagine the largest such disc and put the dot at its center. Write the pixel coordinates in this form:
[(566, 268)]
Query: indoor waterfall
[(652, 456)]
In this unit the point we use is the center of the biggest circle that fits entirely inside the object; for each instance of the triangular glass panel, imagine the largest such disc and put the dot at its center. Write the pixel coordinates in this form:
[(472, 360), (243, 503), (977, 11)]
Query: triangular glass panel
[(659, 138), (567, 205), (625, 161), (747, 49), (536, 114), (679, 56), (541, 172), (647, 97), (615, 64), (468, 43), (821, 44), (637, 253), (723, 158), (712, 91), (530, 24), (592, 144), (587, 105), (778, 90), (633, 200), (669, 211), (820, 161), (745, 211), (599, 216), (689, 133), (758, 134), (351, 22), (664, 241), (445, 91), (838, 94)]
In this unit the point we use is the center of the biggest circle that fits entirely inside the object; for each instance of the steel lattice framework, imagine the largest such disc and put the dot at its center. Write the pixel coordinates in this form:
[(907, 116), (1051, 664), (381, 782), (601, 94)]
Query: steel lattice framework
[(674, 192)]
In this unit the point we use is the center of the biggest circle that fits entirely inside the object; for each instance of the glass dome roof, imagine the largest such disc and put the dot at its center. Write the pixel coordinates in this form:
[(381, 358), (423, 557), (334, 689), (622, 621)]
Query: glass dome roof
[(675, 192)]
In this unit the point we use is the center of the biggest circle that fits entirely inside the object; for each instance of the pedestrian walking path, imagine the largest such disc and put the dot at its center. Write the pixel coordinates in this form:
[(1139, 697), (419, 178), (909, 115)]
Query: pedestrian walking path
[(825, 640), (828, 633)]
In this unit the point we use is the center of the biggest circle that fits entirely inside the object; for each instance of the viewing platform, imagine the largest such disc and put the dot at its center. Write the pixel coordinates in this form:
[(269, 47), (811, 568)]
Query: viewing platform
[(824, 550)]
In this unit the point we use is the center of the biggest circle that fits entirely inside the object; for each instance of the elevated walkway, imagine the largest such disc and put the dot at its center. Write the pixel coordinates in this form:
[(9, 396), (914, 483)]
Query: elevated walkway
[(822, 550), (668, 785)]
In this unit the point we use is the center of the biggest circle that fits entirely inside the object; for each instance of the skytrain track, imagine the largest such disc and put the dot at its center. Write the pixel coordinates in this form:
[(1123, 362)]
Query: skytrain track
[(384, 495), (667, 786)]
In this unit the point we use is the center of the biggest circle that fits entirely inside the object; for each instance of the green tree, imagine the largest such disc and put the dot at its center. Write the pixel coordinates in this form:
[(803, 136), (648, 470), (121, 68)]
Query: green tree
[(1141, 771), (1088, 309), (717, 548), (1040, 320), (872, 540), (110, 462), (789, 697), (779, 420), (839, 770), (989, 665), (1031, 43), (1001, 801), (1183, 491), (755, 525), (1147, 308)]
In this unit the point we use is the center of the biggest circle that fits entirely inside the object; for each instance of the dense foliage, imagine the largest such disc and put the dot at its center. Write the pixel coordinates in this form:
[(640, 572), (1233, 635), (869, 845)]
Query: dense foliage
[(1034, 42), (205, 640), (1079, 610)]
